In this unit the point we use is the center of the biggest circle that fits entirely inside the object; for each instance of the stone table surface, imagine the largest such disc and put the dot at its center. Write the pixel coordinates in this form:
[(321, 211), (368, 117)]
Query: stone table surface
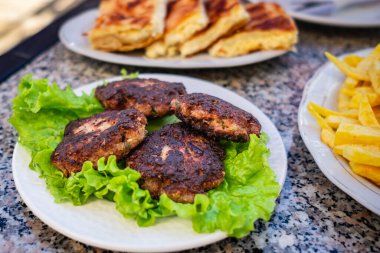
[(312, 214)]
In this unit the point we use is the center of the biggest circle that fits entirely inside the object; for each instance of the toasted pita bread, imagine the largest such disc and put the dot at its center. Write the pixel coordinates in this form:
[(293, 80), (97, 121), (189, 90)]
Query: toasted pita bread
[(269, 28), (125, 25), (184, 19), (225, 16)]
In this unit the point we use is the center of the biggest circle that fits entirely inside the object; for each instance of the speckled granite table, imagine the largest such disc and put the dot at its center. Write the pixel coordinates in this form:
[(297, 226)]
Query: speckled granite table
[(312, 214)]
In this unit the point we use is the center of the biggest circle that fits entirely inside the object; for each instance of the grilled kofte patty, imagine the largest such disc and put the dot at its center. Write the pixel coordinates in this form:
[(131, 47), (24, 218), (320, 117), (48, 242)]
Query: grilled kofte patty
[(178, 162), (104, 134), (215, 117), (150, 96)]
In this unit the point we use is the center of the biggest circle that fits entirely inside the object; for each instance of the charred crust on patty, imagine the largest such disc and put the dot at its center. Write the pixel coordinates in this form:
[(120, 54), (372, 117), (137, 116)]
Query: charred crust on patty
[(150, 96), (215, 117), (101, 135), (179, 162)]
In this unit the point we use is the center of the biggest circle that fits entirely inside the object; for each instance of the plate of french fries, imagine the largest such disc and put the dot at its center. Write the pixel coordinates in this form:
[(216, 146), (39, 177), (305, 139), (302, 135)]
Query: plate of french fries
[(339, 121)]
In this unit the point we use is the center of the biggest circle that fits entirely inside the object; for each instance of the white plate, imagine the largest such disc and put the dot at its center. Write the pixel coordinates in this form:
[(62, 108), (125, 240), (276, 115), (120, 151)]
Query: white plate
[(364, 15), (72, 36), (98, 223), (323, 90)]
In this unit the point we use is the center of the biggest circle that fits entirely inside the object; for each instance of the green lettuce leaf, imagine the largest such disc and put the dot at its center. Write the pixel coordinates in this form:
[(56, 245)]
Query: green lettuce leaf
[(156, 124), (124, 73), (40, 114)]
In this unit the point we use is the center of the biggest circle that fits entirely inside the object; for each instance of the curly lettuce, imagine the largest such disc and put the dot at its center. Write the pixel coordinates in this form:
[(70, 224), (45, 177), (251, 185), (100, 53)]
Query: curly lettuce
[(40, 113)]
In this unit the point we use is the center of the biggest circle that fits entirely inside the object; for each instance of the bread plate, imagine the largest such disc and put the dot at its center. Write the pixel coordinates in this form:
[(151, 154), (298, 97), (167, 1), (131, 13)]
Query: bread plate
[(73, 35)]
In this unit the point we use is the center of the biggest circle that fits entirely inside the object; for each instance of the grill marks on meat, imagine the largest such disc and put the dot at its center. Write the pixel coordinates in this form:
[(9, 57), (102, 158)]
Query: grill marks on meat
[(101, 135), (215, 117), (150, 96), (178, 162)]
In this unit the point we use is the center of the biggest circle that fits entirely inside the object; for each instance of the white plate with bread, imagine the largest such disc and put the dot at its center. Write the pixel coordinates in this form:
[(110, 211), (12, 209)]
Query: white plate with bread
[(181, 33)]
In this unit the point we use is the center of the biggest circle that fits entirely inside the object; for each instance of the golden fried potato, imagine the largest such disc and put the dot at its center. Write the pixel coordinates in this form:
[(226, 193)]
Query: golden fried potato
[(320, 120), (374, 74), (350, 83), (343, 101), (354, 73), (328, 137), (359, 90), (327, 112), (335, 121), (357, 134), (376, 111), (338, 149), (366, 63), (366, 115), (370, 172), (353, 60), (373, 99), (363, 154)]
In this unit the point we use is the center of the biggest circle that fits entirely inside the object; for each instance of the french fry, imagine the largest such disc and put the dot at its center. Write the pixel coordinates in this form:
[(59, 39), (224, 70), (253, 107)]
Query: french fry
[(328, 137), (365, 84), (373, 99), (351, 112), (338, 149), (370, 172), (366, 115), (357, 134), (369, 155), (374, 74), (366, 63), (359, 90), (343, 99), (335, 121), (376, 111), (320, 120), (353, 60), (354, 73), (350, 83), (343, 102), (327, 112)]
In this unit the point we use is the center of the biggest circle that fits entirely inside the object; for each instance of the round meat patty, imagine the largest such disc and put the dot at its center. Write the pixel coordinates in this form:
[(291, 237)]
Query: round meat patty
[(215, 117), (101, 135), (178, 162), (150, 96)]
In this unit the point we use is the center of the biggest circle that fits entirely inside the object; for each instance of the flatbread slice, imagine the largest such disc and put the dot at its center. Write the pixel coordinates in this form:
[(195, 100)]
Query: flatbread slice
[(225, 16), (126, 25), (184, 19), (269, 28)]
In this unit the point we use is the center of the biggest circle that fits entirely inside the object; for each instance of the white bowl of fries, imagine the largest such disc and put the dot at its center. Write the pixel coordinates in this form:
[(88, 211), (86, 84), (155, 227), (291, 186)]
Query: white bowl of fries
[(339, 121)]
